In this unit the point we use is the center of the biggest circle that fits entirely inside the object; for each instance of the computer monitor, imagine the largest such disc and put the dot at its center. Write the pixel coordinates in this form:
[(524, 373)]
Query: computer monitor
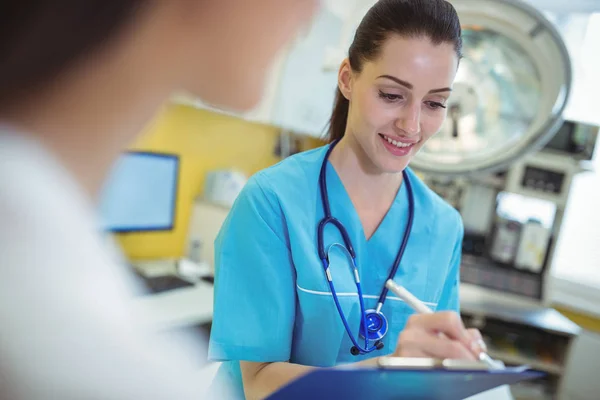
[(140, 193)]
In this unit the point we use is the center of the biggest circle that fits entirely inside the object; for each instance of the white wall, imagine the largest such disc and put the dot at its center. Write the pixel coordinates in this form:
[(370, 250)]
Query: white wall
[(566, 5)]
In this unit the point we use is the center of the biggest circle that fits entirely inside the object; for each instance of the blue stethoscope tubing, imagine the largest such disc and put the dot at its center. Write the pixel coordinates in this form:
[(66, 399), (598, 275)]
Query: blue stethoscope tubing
[(377, 325)]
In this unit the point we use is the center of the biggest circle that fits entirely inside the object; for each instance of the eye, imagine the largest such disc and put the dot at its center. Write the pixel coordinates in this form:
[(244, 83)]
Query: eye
[(390, 97), (434, 105)]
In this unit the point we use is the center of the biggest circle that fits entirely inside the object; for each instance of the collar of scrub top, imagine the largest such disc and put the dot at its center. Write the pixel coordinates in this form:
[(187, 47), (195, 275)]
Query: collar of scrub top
[(374, 324)]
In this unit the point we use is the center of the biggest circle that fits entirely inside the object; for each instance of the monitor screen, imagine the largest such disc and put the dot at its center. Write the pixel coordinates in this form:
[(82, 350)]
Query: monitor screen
[(140, 193)]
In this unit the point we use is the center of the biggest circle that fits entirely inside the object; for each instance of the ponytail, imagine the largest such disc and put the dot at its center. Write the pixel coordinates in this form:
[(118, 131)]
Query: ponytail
[(339, 117)]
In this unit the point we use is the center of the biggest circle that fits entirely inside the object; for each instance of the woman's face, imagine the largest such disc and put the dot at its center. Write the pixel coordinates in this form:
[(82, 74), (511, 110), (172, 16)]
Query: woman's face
[(398, 101)]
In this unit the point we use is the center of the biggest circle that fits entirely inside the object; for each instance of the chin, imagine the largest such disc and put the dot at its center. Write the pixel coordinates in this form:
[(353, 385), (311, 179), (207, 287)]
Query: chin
[(393, 166)]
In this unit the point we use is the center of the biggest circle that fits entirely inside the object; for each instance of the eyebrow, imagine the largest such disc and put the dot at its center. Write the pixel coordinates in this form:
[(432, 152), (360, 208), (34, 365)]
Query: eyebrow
[(410, 86)]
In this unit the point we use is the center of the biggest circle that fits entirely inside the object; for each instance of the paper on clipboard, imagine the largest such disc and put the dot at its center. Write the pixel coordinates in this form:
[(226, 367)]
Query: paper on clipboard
[(436, 363), (404, 378)]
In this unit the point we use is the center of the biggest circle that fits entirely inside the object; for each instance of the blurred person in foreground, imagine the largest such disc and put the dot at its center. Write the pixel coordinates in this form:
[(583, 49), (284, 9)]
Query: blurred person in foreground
[(78, 81)]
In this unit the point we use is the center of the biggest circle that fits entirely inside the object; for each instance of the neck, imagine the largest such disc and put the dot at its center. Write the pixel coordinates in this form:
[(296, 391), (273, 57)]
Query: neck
[(364, 182)]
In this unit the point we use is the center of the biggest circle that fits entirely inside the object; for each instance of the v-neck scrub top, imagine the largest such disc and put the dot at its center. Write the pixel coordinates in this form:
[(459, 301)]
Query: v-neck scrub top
[(272, 299)]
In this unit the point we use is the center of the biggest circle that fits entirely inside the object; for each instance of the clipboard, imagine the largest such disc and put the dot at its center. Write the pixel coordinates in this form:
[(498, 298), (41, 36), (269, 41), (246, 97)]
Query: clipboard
[(403, 378)]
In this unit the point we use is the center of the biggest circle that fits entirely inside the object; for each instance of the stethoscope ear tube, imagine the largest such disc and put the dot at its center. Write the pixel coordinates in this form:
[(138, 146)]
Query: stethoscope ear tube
[(374, 324), (341, 312)]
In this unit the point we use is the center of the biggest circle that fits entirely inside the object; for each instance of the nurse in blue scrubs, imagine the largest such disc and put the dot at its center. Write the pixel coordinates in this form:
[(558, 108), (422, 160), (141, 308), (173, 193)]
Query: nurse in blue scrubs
[(276, 313)]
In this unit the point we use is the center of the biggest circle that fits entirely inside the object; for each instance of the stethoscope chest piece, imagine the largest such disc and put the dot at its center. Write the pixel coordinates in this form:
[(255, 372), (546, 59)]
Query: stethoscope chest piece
[(377, 326)]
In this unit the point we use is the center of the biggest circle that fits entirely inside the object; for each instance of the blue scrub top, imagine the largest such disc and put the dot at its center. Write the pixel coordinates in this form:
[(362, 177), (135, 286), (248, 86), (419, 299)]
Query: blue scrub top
[(272, 300)]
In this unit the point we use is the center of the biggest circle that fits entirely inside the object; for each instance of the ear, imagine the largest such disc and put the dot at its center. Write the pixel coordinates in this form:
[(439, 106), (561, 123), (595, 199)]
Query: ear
[(345, 79)]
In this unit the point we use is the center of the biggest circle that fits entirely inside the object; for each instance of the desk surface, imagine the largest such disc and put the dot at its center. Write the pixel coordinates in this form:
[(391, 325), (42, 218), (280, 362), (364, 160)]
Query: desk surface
[(194, 305), (174, 308)]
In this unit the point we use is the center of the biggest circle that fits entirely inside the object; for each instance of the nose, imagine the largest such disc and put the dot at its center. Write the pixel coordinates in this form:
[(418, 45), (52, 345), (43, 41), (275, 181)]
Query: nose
[(409, 120)]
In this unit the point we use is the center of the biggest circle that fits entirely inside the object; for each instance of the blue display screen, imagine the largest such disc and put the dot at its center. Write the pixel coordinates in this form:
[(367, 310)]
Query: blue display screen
[(140, 193)]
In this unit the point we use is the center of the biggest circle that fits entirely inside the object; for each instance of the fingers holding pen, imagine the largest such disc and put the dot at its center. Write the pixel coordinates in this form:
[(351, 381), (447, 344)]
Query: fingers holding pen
[(439, 335)]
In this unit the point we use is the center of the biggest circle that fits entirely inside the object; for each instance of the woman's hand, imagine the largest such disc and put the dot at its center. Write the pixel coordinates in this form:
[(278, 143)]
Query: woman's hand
[(439, 335)]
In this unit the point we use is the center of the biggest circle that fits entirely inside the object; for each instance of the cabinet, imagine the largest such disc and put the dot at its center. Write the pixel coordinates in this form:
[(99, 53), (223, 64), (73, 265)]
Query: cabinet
[(522, 332)]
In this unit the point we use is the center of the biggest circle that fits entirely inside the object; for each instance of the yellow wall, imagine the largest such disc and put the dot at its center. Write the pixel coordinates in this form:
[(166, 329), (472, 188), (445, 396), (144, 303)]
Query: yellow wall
[(588, 322), (204, 141)]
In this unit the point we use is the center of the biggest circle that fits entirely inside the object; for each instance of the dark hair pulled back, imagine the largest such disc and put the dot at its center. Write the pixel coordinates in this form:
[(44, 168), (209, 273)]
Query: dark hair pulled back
[(433, 19)]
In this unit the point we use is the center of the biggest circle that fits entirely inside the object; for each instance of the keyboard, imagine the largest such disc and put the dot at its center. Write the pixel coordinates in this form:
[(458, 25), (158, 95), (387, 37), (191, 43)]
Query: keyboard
[(165, 283)]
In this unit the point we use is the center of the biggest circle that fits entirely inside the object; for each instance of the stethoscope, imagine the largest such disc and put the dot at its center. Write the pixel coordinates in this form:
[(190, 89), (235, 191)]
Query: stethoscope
[(374, 324)]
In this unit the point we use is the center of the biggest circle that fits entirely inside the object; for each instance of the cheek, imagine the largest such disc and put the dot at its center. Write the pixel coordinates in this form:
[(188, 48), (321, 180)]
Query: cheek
[(374, 115), (431, 123)]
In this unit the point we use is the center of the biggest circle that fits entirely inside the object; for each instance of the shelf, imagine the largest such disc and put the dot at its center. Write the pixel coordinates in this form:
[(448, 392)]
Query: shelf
[(508, 358), (476, 300)]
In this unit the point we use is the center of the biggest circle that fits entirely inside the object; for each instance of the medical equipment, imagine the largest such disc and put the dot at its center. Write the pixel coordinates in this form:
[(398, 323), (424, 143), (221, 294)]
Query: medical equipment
[(533, 246), (374, 324), (223, 186), (509, 94)]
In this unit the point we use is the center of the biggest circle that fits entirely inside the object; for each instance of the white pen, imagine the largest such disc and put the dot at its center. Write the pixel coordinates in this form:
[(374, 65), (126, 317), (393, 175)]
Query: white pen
[(421, 308)]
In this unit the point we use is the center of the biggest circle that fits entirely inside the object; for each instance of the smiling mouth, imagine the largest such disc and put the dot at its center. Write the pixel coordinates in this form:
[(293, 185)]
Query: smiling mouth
[(397, 143)]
